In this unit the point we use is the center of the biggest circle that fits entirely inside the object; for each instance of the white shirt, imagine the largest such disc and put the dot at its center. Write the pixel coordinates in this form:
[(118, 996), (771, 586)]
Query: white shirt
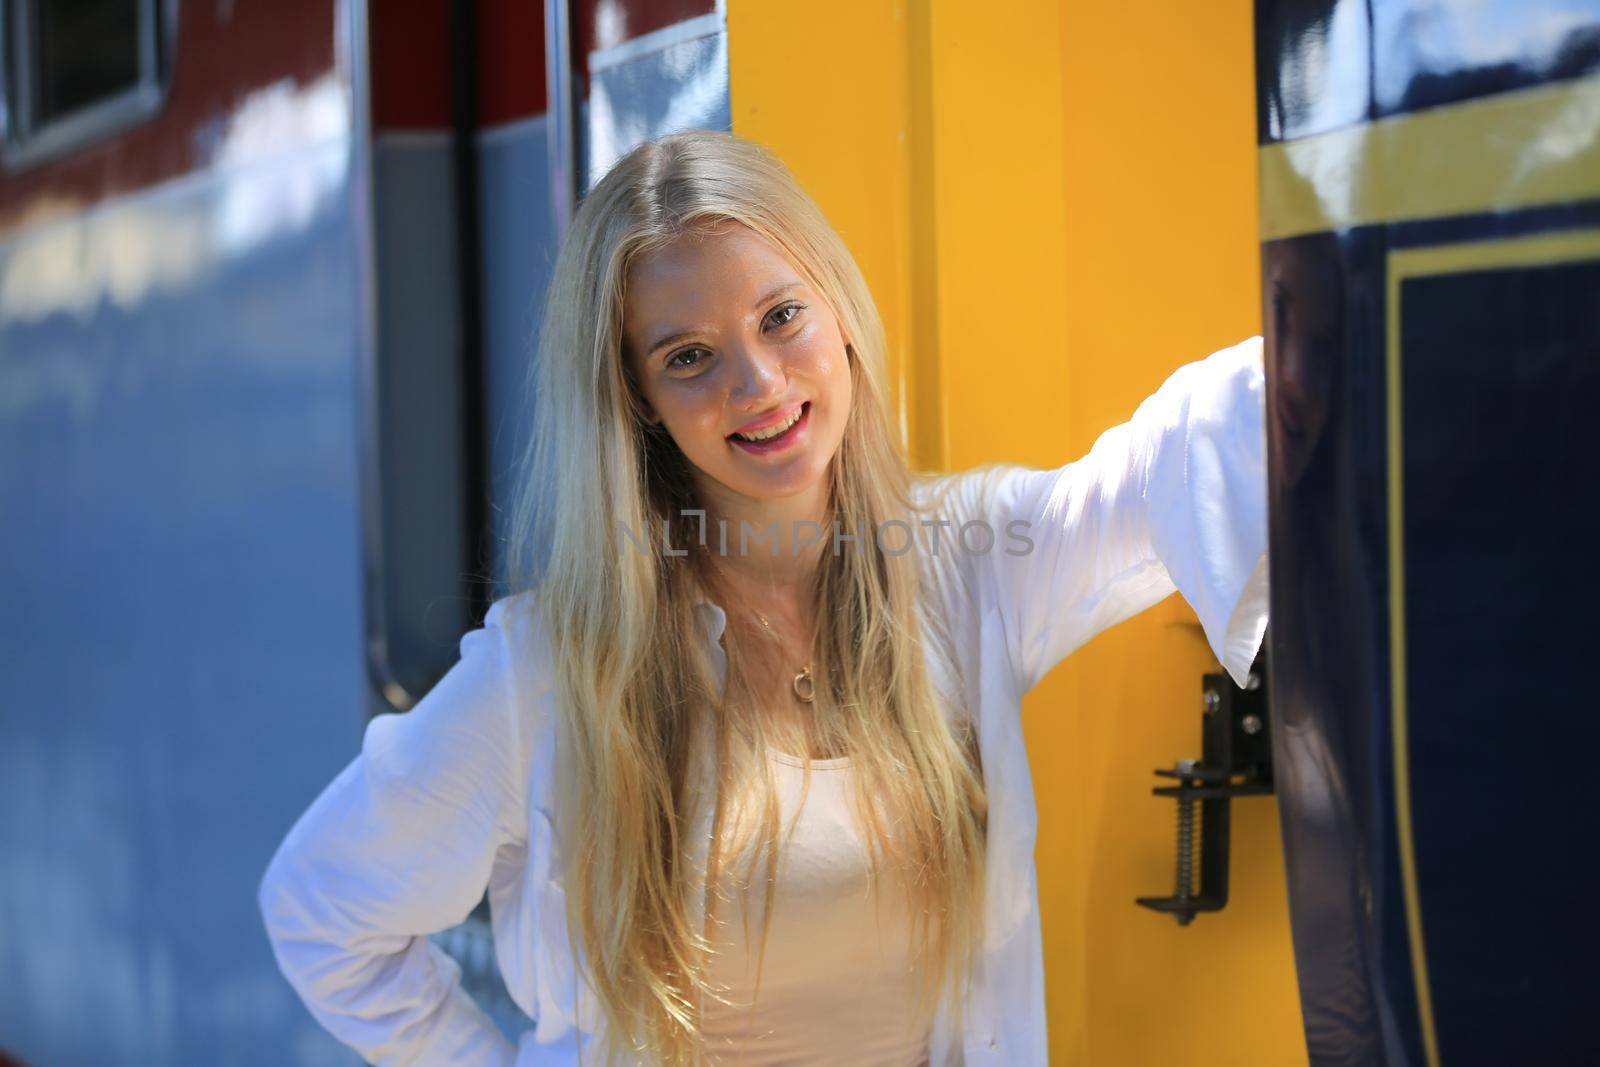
[(456, 794)]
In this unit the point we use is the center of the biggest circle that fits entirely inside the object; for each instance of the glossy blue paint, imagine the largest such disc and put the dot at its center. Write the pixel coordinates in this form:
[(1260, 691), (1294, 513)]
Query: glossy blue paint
[(180, 630)]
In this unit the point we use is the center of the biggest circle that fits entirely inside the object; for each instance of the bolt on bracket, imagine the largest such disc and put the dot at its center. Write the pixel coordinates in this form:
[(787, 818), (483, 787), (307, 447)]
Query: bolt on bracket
[(1236, 761)]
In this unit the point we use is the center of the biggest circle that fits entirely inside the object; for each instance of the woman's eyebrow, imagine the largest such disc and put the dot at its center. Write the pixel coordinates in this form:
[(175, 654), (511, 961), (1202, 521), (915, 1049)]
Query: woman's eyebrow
[(683, 335), (669, 339), (774, 293)]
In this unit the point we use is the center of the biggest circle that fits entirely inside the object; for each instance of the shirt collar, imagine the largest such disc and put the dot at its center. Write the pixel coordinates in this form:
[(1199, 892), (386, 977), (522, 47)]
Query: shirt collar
[(708, 609)]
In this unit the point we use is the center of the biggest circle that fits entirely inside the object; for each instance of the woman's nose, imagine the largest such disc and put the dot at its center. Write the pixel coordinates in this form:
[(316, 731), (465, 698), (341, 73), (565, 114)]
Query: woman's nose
[(759, 377)]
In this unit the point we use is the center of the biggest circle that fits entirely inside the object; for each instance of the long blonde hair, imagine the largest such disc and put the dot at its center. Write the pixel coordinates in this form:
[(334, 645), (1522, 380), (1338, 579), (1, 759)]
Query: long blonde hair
[(638, 692)]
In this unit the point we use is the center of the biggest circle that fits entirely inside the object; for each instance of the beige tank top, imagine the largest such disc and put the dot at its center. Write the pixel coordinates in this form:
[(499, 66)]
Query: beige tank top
[(835, 984)]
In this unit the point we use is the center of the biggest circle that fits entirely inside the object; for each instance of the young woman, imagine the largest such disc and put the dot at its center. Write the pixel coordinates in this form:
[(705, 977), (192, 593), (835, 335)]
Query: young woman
[(740, 760)]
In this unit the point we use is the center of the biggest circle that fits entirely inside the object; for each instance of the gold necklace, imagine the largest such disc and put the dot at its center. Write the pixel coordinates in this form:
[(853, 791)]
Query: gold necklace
[(804, 687)]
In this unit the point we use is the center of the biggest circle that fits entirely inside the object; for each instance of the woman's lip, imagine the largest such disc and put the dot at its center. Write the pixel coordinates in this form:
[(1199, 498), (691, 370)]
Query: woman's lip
[(762, 424), (786, 440)]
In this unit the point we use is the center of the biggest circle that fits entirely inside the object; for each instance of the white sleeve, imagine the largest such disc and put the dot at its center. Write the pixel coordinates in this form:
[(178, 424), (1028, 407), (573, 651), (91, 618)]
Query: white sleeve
[(400, 845), (1175, 499)]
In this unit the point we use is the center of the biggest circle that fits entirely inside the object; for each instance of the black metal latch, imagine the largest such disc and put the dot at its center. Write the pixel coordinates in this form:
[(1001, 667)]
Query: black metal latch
[(1236, 761)]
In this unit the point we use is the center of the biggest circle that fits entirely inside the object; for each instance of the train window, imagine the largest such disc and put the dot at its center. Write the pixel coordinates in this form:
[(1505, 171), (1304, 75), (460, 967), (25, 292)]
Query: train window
[(77, 71)]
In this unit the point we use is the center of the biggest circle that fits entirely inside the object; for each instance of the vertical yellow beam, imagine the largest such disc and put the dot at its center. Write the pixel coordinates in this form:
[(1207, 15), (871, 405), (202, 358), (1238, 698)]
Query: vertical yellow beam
[(1055, 204), (1161, 202), (931, 134)]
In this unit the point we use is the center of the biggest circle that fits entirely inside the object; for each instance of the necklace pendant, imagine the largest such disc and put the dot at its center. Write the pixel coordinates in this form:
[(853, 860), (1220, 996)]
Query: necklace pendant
[(804, 687)]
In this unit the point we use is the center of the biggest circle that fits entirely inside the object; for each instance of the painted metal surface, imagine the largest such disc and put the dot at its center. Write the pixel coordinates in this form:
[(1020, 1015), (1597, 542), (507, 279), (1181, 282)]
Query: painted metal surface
[(181, 613), (604, 24), (417, 551), (1432, 340), (180, 628), (645, 93), (410, 63), (519, 245), (192, 318)]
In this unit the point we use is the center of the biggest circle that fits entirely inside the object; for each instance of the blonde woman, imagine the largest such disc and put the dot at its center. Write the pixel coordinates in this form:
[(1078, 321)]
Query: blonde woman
[(740, 760)]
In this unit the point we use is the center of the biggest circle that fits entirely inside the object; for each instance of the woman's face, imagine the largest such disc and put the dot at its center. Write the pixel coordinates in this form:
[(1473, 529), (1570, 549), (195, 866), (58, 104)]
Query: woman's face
[(725, 337)]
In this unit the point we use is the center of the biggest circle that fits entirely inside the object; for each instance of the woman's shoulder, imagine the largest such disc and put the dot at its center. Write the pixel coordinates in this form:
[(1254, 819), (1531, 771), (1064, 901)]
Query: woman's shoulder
[(961, 495), (516, 625), (527, 661), (495, 695), (948, 503), (515, 617)]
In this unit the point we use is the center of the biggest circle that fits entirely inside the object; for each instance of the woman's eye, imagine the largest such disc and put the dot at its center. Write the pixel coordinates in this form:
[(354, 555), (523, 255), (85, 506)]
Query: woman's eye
[(683, 357), (784, 315)]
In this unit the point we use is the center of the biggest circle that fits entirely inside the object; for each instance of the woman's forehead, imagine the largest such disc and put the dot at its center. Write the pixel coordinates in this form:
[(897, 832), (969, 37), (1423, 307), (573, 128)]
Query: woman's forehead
[(699, 276), (727, 255)]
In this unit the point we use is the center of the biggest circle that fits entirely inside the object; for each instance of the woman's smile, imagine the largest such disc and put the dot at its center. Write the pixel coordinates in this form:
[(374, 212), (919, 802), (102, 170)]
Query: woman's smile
[(785, 431)]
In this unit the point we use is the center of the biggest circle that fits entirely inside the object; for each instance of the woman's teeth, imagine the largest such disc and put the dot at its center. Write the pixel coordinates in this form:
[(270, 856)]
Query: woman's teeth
[(775, 429)]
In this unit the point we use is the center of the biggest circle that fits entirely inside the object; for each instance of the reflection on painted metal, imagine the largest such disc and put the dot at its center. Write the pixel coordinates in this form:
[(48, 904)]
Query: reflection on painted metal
[(1431, 259), (279, 161), (681, 85), (1527, 148)]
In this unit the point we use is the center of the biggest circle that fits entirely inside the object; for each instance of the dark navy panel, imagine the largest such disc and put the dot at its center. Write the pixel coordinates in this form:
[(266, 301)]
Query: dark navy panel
[(180, 603), (1325, 298), (1500, 376)]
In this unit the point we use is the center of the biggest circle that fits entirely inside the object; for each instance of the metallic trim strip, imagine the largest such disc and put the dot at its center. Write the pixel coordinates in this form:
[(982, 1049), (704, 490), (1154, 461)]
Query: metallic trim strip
[(1500, 153), (476, 517), (559, 105), (1538, 250), (383, 685)]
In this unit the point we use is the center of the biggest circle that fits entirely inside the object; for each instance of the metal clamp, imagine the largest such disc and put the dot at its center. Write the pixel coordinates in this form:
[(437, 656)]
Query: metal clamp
[(1236, 747)]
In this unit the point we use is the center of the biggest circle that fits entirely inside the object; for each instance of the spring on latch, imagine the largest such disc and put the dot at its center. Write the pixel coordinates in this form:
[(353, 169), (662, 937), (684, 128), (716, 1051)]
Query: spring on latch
[(1185, 879)]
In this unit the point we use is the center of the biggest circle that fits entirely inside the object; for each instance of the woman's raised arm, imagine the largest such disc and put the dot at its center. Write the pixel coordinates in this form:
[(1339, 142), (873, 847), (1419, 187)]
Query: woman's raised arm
[(1173, 499), (401, 845)]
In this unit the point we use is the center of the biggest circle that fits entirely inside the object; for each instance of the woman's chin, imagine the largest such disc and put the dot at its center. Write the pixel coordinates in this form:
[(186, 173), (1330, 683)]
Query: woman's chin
[(777, 486)]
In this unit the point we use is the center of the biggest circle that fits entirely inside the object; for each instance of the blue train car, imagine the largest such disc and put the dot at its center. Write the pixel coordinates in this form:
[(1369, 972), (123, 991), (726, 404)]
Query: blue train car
[(269, 275)]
